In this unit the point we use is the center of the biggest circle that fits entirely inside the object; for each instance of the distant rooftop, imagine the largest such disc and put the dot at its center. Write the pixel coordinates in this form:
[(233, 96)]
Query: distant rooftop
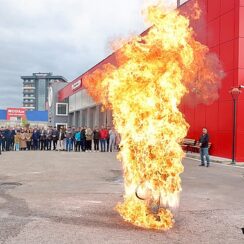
[(48, 75)]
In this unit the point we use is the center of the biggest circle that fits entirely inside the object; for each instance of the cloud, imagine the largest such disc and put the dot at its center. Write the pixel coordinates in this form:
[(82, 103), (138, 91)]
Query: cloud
[(65, 37)]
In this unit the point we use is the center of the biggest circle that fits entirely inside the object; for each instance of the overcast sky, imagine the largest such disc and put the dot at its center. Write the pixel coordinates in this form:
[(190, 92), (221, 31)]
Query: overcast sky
[(65, 37)]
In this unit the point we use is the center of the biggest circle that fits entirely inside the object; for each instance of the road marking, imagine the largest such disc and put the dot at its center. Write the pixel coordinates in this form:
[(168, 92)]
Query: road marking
[(91, 201), (221, 164)]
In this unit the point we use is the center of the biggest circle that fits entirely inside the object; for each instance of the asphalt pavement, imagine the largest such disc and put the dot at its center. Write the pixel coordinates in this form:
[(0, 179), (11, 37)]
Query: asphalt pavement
[(61, 197)]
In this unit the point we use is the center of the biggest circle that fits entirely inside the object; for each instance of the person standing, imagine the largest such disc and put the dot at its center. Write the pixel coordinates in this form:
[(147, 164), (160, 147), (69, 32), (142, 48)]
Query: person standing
[(73, 138), (43, 139), (64, 140), (77, 140), (61, 136), (112, 137), (13, 133), (108, 138), (96, 139), (89, 139), (68, 136), (83, 139), (203, 143), (117, 141), (28, 139), (55, 135), (49, 138), (17, 141), (36, 139), (103, 135), (7, 138), (23, 144), (1, 140)]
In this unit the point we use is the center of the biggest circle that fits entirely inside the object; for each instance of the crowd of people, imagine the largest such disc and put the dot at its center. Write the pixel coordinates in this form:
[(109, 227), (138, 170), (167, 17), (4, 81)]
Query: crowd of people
[(82, 139)]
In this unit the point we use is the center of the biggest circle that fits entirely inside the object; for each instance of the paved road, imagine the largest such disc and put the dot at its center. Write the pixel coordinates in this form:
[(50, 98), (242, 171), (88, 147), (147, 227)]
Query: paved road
[(51, 197)]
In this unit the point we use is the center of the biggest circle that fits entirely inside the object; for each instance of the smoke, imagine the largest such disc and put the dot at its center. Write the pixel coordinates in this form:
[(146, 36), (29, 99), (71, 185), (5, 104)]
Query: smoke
[(203, 88)]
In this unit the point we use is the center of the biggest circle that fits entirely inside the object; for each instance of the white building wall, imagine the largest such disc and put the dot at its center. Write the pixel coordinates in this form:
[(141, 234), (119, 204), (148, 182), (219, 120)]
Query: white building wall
[(80, 100)]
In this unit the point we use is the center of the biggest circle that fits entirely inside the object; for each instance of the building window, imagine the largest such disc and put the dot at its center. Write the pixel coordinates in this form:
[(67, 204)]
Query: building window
[(61, 109)]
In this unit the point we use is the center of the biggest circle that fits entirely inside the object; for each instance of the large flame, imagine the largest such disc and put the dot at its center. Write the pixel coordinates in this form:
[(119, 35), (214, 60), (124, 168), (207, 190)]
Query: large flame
[(154, 72)]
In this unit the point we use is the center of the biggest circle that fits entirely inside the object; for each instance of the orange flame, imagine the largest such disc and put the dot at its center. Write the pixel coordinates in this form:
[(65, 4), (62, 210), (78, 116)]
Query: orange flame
[(155, 71)]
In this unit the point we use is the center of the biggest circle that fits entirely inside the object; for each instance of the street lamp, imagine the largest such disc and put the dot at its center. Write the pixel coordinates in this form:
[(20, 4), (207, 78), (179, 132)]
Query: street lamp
[(235, 92)]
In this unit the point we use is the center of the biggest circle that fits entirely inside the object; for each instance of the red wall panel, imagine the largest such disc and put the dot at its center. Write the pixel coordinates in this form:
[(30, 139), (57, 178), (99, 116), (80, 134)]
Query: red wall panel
[(241, 53), (225, 115), (237, 10), (212, 117), (213, 32), (227, 5), (240, 147), (227, 26), (240, 76), (190, 116), (200, 118), (215, 140), (224, 144), (241, 22), (227, 55), (227, 84), (236, 53), (240, 115), (213, 9)]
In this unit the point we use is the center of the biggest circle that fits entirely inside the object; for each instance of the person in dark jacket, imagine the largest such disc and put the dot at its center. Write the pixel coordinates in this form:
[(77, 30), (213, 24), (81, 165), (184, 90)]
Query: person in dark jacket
[(13, 133), (108, 138), (49, 138), (68, 136), (83, 139), (7, 139), (55, 136), (43, 139), (96, 139), (1, 140), (36, 139), (203, 143)]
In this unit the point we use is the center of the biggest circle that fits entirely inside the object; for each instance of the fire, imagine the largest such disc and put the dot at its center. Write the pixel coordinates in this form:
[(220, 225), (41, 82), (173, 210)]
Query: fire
[(154, 72)]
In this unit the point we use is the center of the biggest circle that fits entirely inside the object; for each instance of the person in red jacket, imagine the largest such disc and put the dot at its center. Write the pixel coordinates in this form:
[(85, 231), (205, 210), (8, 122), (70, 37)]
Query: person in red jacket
[(103, 135)]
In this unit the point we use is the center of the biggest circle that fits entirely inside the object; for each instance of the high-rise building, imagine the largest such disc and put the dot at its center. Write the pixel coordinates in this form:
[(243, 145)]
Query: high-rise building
[(35, 89)]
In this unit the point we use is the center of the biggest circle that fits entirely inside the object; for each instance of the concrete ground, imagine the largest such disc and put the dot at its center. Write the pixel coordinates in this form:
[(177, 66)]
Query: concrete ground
[(59, 197)]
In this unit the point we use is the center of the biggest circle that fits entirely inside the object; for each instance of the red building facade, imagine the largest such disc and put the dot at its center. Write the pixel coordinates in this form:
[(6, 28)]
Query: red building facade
[(221, 28), (223, 32)]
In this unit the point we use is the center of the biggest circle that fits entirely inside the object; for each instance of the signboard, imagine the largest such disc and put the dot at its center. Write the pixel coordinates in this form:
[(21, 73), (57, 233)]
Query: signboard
[(14, 114), (76, 85)]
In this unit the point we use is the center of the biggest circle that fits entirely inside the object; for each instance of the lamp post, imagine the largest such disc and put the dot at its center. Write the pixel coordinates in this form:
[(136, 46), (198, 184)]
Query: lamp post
[(235, 92)]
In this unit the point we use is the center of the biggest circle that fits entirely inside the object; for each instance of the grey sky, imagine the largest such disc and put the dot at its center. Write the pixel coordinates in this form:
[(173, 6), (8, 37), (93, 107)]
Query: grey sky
[(65, 37)]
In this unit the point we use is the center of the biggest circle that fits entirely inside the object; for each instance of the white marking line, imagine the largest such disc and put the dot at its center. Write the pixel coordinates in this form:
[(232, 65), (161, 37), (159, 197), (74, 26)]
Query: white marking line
[(90, 201), (221, 164)]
